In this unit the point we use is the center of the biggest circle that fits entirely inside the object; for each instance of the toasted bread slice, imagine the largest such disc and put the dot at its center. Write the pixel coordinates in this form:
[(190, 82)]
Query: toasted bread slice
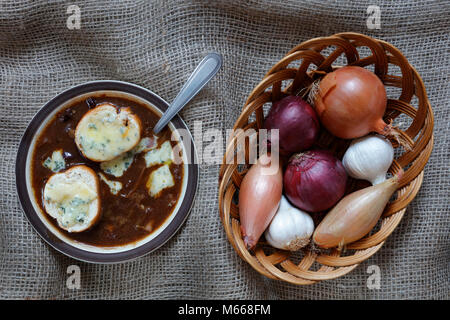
[(72, 197), (106, 132)]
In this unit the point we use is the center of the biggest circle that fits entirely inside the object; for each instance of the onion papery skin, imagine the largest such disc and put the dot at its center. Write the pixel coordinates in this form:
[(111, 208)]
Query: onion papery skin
[(315, 180), (351, 102), (259, 199), (297, 123)]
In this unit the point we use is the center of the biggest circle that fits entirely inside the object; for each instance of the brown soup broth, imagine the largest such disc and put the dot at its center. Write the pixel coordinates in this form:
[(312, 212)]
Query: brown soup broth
[(130, 215)]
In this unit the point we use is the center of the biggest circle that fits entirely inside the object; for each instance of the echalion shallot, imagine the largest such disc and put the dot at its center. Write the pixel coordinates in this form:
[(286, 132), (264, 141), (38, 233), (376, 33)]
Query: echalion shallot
[(351, 102), (314, 180), (369, 158), (290, 229), (355, 215), (259, 198)]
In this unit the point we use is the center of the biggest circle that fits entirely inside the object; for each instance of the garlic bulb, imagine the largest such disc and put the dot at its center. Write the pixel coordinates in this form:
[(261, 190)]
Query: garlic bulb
[(369, 158), (290, 229)]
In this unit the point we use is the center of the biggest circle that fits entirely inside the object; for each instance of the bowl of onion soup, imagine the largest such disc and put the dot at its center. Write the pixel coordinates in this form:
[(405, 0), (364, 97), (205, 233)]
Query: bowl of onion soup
[(94, 180)]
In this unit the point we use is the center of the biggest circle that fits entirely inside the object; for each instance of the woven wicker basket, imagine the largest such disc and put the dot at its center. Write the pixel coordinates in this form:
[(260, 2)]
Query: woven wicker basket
[(292, 74)]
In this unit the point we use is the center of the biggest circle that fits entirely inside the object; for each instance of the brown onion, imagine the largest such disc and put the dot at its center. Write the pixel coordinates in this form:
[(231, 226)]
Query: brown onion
[(259, 198), (351, 102)]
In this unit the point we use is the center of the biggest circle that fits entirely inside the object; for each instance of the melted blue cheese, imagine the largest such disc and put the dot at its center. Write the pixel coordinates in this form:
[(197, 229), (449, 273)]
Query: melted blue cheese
[(159, 179), (103, 133), (117, 166), (71, 201), (114, 186), (146, 144), (163, 154), (56, 162)]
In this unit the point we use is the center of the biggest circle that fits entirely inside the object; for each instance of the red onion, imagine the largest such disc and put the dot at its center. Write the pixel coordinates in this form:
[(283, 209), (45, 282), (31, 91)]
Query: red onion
[(297, 122), (315, 180)]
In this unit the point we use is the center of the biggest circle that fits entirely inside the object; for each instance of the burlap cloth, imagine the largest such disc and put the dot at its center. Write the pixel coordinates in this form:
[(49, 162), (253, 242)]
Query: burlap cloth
[(157, 44)]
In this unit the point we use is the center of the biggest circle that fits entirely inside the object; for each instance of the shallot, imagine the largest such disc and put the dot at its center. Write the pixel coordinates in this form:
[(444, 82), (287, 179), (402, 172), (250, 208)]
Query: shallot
[(259, 198), (355, 215)]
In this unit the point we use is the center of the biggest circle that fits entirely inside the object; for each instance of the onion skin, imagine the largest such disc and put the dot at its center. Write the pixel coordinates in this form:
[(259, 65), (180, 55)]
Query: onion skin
[(315, 180), (297, 123), (355, 215), (259, 198), (351, 102)]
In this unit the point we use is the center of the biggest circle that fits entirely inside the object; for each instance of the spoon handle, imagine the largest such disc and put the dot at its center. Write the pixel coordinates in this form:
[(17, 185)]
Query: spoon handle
[(204, 72)]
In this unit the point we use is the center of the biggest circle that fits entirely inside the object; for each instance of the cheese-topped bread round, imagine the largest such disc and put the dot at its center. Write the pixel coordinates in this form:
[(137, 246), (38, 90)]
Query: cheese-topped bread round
[(72, 198), (106, 132)]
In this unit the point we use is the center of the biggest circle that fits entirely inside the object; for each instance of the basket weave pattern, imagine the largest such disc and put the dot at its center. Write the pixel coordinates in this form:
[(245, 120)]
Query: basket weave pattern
[(293, 74)]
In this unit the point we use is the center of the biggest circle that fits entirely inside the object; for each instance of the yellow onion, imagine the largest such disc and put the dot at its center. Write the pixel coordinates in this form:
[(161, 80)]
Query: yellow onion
[(355, 215), (351, 102), (259, 198)]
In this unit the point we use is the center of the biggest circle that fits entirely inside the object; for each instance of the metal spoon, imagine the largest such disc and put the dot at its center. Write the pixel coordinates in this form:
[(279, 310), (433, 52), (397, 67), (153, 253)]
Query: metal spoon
[(204, 72)]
